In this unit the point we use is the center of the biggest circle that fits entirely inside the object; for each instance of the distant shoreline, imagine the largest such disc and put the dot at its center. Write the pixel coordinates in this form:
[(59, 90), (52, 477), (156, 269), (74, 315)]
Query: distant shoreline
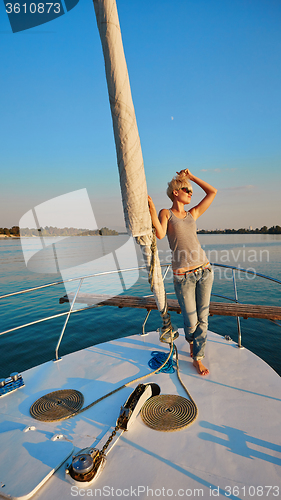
[(15, 233), (5, 237), (262, 230)]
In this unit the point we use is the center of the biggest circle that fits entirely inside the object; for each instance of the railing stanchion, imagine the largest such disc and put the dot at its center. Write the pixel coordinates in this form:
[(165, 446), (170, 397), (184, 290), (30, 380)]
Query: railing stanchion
[(144, 323), (66, 321), (238, 319), (166, 271)]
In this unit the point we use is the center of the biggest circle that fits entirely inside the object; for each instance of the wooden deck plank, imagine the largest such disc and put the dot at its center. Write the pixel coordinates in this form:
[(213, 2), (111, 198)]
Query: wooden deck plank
[(148, 303)]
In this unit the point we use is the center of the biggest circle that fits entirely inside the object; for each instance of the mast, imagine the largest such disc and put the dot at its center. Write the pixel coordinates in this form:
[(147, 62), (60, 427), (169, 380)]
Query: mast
[(128, 148)]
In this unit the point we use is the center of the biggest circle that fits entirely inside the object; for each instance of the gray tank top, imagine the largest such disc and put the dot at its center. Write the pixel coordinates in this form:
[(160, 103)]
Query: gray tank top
[(184, 243)]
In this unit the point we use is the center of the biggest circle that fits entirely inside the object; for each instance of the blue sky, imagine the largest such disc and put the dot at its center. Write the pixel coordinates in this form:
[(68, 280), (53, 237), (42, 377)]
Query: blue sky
[(205, 78)]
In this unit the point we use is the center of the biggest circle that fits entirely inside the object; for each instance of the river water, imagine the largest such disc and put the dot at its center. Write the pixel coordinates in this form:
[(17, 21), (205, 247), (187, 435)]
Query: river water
[(72, 257)]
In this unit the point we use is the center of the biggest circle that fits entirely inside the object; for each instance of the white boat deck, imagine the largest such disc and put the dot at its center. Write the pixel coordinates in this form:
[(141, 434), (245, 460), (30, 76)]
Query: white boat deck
[(232, 449)]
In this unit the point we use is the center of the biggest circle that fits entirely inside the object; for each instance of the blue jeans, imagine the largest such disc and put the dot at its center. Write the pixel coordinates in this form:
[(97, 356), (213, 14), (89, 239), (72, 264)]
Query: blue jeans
[(193, 292)]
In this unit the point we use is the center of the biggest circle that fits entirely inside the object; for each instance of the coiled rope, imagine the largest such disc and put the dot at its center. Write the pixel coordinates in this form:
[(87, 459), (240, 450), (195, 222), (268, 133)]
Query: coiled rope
[(157, 360), (170, 412), (59, 405), (68, 414)]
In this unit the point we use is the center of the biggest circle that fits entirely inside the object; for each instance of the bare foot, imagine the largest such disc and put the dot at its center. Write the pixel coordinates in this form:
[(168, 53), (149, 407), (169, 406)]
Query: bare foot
[(191, 350), (201, 369)]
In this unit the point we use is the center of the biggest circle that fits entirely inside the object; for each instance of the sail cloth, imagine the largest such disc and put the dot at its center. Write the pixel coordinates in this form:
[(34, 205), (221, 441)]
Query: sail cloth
[(127, 141)]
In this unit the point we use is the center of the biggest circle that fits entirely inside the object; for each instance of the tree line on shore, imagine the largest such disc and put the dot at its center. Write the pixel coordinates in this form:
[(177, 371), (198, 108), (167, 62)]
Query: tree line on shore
[(104, 231), (262, 230), (15, 231)]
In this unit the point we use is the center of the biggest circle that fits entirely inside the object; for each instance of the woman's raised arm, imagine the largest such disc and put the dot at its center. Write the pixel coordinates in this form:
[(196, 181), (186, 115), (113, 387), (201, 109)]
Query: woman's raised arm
[(209, 190)]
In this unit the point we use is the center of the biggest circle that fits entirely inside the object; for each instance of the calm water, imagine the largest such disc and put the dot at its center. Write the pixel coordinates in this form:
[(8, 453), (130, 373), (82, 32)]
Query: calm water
[(85, 255)]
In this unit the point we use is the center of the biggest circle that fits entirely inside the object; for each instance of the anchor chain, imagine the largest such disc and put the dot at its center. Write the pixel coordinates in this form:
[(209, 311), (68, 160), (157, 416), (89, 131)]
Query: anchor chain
[(112, 435)]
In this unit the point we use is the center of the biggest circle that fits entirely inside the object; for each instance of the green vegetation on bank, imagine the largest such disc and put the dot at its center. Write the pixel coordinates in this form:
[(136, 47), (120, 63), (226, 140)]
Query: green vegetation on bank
[(262, 230), (104, 231), (55, 231)]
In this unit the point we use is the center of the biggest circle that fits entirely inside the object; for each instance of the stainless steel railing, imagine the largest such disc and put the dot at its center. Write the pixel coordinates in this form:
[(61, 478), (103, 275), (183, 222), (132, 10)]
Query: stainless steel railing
[(83, 278)]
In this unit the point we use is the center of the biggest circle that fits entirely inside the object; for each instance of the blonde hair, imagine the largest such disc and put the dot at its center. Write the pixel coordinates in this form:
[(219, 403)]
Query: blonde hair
[(178, 182)]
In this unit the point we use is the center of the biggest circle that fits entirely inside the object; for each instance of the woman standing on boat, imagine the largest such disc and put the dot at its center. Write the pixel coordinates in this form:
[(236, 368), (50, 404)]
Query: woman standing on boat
[(193, 274)]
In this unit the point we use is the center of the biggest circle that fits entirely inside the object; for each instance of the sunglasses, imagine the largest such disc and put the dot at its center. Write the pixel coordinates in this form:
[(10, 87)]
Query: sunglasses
[(186, 190)]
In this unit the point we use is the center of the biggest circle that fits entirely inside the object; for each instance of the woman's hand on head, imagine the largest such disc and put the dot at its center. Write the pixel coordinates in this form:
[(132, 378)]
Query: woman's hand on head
[(185, 173)]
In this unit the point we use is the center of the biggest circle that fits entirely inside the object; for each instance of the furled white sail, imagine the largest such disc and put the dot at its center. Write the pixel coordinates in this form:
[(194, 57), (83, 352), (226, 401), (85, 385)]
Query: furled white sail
[(127, 141), (128, 147)]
